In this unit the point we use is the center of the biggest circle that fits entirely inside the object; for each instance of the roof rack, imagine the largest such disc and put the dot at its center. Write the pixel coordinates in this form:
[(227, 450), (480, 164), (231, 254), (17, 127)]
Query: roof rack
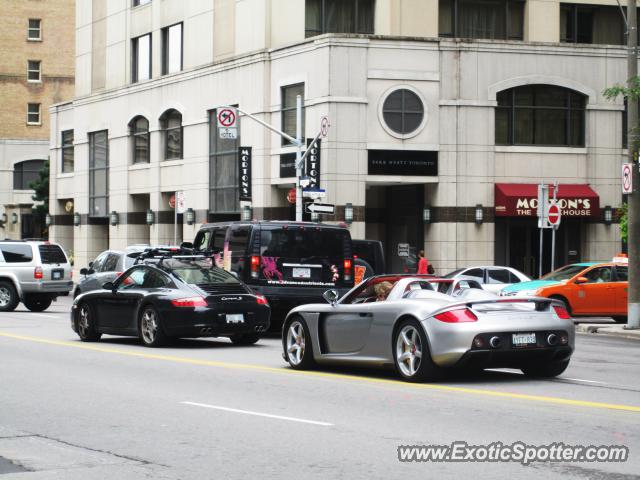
[(159, 254)]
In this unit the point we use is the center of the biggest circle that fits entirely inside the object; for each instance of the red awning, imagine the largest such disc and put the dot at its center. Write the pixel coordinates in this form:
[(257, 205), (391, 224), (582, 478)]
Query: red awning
[(521, 200)]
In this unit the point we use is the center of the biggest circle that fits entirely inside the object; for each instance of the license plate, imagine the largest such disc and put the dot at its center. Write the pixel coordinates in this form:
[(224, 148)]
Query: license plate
[(301, 272), (235, 318), (56, 274), (523, 339)]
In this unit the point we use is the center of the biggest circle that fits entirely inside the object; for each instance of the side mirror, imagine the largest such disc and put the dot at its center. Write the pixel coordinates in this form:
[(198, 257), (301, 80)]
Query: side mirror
[(331, 296), (84, 271), (582, 280), (186, 245), (90, 264), (108, 286), (91, 271)]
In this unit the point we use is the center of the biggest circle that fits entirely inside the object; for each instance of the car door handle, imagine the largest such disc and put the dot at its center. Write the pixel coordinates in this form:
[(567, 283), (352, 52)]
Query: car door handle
[(366, 314)]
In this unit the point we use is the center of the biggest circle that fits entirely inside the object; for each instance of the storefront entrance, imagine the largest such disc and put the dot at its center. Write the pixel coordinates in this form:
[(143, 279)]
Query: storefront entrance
[(518, 244), (517, 236), (394, 215)]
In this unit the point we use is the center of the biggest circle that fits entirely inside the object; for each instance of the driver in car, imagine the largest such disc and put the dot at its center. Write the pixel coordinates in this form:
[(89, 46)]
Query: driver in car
[(382, 289)]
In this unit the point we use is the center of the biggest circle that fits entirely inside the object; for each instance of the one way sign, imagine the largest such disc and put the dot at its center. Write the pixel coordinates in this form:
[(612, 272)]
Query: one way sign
[(326, 208)]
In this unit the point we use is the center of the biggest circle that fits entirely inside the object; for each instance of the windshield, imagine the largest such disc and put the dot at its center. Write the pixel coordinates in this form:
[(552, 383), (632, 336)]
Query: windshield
[(201, 272), (564, 273), (453, 274)]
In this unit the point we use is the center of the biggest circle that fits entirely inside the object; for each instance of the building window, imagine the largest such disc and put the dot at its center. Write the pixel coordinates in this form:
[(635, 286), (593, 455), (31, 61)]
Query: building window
[(289, 116), (492, 19), (591, 24), (223, 170), (24, 173), (33, 70), (540, 115), (403, 111), (172, 49), (139, 132), (137, 3), (34, 32), (141, 58), (33, 113), (98, 174), (339, 16), (171, 125), (67, 151)]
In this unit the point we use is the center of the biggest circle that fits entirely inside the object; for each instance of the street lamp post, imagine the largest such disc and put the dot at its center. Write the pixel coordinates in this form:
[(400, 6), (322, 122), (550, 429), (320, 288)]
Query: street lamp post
[(633, 218)]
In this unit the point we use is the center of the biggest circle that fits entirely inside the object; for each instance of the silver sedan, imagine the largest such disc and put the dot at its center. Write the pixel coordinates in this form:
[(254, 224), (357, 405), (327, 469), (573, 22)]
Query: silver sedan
[(424, 333)]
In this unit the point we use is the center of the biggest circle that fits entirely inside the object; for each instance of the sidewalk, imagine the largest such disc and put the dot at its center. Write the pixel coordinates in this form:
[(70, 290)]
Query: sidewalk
[(609, 329)]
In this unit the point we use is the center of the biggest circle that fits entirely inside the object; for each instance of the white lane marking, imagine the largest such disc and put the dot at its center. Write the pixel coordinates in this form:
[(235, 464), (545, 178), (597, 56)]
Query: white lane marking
[(517, 372), (43, 315), (258, 414), (581, 380)]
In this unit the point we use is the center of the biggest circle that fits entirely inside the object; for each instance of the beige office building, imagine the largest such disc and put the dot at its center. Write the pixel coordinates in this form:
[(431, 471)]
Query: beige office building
[(36, 70), (444, 117)]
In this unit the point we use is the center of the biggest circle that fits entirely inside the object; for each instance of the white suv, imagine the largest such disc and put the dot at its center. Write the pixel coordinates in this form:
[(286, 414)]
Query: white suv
[(34, 273)]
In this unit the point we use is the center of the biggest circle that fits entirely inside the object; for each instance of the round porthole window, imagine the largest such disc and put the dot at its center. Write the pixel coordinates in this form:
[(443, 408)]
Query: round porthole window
[(403, 111)]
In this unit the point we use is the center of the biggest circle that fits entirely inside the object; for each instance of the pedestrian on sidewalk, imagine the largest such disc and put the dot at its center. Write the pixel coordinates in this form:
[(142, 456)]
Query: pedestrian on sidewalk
[(423, 264)]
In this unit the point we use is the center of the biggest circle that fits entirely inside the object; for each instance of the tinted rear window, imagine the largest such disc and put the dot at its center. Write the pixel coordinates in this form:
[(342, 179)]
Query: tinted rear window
[(302, 244), (16, 252), (201, 272), (52, 254)]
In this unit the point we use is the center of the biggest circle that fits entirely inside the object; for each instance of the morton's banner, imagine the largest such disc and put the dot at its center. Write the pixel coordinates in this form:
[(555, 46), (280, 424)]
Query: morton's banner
[(244, 173)]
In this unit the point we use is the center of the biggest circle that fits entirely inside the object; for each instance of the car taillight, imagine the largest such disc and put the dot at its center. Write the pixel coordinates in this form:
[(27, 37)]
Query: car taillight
[(460, 315), (118, 274), (38, 273), (262, 300), (347, 268), (189, 302), (562, 312), (255, 266)]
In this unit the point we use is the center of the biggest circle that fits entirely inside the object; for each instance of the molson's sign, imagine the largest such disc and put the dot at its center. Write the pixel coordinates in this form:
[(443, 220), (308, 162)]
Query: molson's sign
[(521, 200)]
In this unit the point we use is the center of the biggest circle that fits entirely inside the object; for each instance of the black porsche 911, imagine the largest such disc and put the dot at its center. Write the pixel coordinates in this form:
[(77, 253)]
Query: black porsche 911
[(168, 295)]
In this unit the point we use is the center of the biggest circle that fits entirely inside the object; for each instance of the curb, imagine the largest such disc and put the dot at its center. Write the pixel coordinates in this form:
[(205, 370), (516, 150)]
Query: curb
[(609, 331)]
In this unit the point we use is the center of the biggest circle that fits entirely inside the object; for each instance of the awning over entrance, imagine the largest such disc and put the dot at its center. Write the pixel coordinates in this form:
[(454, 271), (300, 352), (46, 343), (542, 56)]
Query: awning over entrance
[(521, 200)]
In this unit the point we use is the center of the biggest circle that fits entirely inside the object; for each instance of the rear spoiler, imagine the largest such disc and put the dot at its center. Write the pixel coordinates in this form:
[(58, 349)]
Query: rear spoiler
[(541, 303)]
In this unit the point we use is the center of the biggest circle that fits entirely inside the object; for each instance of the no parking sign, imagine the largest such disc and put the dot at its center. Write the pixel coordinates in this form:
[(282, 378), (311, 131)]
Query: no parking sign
[(627, 178)]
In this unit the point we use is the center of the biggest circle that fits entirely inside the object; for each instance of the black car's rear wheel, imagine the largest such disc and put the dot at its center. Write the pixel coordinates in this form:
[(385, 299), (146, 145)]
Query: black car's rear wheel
[(411, 353), (150, 329), (85, 324), (8, 297), (37, 304), (244, 339), (296, 343), (545, 369)]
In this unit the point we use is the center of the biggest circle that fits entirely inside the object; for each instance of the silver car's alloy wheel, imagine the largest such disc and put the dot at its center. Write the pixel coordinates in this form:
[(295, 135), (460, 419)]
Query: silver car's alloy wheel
[(5, 296), (83, 321), (409, 350), (295, 343), (149, 326)]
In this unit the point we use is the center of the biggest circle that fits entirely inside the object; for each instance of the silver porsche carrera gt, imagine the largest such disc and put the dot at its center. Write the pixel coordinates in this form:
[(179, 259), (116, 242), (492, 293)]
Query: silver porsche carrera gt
[(426, 326)]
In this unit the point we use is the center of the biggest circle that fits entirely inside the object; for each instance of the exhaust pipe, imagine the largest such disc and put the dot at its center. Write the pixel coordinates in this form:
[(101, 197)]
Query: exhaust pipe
[(552, 339), (495, 342)]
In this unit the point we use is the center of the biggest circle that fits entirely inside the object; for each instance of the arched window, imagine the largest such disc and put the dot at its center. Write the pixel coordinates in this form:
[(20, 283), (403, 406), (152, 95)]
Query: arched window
[(171, 124), (139, 132), (26, 172), (540, 115)]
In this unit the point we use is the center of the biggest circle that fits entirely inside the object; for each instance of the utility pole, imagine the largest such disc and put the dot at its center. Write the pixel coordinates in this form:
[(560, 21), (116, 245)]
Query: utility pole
[(633, 238), (298, 158)]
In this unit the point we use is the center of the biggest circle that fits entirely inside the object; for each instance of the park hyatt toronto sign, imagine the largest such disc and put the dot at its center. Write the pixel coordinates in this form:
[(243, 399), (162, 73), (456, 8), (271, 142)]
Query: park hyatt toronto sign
[(403, 162)]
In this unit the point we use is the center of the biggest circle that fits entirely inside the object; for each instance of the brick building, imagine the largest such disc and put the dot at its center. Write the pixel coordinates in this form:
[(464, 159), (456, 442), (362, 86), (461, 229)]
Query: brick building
[(36, 71)]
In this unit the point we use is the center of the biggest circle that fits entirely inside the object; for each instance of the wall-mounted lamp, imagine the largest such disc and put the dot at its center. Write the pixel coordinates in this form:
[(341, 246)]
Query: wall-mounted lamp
[(608, 215), (4, 218), (479, 214), (14, 218), (114, 218), (426, 215), (76, 219), (190, 216), (247, 213), (47, 220), (348, 213), (150, 217)]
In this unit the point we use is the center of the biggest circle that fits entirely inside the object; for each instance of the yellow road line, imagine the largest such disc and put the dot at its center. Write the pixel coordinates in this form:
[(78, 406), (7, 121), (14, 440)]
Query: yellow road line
[(242, 366)]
